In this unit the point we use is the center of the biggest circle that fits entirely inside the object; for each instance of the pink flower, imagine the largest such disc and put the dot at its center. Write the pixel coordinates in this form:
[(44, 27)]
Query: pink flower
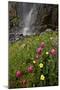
[(53, 52), (18, 74), (30, 69), (42, 45), (39, 50)]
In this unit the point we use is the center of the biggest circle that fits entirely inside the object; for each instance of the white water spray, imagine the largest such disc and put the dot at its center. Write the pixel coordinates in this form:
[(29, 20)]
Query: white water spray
[(27, 22)]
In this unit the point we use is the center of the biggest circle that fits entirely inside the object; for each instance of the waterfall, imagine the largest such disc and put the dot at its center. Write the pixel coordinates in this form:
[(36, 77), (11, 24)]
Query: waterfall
[(29, 20)]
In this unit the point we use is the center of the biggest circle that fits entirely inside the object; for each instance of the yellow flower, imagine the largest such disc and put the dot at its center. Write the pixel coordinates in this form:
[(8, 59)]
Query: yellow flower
[(41, 65), (42, 77), (34, 62), (47, 53)]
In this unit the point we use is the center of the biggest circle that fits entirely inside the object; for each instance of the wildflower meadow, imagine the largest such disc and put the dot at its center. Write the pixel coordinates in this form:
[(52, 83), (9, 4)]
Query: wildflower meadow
[(33, 61)]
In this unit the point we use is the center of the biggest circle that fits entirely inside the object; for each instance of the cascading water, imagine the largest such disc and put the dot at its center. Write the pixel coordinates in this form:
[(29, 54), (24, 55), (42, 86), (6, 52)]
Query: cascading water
[(28, 21)]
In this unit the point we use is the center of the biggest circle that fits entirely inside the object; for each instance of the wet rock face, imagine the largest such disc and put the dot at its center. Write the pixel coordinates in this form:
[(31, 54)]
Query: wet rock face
[(47, 15)]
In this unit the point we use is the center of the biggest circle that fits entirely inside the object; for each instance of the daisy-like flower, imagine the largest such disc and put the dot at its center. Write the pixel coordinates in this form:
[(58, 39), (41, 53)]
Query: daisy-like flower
[(47, 53), (42, 77), (41, 65)]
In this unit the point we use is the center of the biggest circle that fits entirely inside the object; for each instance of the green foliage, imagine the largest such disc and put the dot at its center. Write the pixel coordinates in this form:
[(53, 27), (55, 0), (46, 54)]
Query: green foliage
[(21, 55), (14, 21)]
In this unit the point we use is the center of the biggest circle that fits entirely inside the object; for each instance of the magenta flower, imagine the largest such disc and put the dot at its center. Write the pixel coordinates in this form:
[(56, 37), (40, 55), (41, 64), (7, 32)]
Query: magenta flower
[(39, 50), (53, 52), (30, 69), (18, 74)]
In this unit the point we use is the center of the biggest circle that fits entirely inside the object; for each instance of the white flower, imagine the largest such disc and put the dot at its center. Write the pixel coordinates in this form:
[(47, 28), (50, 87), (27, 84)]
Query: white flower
[(34, 62), (47, 53)]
